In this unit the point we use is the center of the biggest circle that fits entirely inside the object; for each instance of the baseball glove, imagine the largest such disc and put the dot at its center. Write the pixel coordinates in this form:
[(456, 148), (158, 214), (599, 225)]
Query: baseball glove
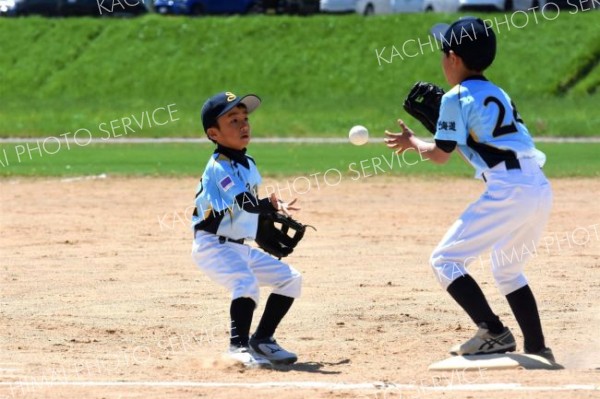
[(278, 234), (423, 102)]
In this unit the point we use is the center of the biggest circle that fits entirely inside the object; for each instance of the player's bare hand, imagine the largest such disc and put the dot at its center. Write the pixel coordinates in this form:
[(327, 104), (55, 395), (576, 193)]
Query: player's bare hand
[(285, 207), (399, 141), (282, 206)]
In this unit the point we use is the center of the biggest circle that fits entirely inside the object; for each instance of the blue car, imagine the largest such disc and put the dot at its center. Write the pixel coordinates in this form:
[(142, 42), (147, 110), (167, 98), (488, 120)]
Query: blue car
[(200, 7)]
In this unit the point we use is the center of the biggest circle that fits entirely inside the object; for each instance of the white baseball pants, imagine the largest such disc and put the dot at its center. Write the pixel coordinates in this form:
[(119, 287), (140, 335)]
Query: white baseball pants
[(508, 218), (243, 269)]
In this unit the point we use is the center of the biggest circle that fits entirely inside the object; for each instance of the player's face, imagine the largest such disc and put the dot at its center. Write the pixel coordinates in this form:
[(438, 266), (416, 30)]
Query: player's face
[(234, 129)]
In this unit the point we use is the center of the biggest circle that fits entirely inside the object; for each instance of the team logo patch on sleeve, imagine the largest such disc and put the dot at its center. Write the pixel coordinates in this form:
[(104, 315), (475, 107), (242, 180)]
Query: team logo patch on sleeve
[(226, 183), (444, 125)]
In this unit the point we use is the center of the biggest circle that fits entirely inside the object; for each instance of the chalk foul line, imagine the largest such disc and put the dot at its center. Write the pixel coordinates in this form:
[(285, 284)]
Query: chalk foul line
[(307, 385)]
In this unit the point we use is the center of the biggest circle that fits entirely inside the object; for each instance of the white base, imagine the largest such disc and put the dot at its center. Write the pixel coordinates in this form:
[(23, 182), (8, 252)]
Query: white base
[(494, 362)]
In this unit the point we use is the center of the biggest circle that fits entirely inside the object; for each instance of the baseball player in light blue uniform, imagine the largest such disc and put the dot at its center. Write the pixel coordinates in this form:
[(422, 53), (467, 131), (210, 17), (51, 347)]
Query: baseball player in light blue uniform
[(480, 122), (226, 214)]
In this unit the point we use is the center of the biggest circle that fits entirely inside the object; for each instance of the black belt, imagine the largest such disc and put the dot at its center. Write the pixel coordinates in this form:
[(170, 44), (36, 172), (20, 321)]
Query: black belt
[(222, 239), (510, 163)]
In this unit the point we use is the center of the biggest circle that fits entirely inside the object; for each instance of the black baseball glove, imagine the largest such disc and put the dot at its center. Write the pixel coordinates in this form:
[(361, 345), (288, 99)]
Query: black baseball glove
[(278, 234), (423, 102)]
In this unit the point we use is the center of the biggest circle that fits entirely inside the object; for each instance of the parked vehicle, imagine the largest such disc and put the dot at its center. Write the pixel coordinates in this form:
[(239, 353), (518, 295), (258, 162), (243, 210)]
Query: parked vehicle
[(294, 7), (6, 6), (480, 5), (374, 7), (65, 8), (201, 7), (338, 6)]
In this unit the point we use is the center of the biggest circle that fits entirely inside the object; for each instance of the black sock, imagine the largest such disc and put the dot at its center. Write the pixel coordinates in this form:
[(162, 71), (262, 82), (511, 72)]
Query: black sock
[(277, 306), (241, 311), (469, 296), (522, 303)]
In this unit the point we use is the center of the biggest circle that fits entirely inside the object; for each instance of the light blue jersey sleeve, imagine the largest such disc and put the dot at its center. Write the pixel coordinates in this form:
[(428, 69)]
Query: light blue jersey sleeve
[(451, 125)]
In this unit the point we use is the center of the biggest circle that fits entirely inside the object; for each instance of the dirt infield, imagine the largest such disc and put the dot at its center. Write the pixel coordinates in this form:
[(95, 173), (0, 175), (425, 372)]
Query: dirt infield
[(97, 285)]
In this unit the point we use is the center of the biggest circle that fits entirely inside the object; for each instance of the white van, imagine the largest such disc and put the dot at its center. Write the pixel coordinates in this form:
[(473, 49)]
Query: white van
[(480, 5), (375, 7), (337, 5)]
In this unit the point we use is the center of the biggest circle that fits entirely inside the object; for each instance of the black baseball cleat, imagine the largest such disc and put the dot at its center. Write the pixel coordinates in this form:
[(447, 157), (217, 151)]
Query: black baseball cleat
[(272, 351), (484, 343)]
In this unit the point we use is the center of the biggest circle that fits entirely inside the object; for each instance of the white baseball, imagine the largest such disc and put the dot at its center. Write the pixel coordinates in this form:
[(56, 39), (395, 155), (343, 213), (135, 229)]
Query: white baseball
[(358, 135)]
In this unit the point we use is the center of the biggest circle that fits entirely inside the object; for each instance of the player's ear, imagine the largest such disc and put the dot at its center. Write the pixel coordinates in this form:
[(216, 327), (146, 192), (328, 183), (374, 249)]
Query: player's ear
[(212, 133), (454, 58)]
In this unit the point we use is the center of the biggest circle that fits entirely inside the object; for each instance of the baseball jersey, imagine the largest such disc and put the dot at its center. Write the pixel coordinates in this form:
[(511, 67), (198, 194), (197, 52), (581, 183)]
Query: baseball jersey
[(483, 121), (223, 180)]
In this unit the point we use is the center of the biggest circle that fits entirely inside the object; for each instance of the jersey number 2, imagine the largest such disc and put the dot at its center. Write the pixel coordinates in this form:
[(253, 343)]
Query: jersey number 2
[(500, 129)]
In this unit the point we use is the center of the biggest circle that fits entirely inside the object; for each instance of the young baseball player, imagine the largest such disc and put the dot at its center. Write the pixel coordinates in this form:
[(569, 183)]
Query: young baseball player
[(479, 120), (226, 214)]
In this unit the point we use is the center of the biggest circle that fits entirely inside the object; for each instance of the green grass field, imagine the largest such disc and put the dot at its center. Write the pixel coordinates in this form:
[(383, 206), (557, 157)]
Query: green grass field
[(317, 75), (277, 160)]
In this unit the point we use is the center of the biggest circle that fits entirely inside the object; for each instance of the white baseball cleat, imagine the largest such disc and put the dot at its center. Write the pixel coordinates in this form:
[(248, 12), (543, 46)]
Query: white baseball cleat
[(247, 357), (270, 349), (484, 342)]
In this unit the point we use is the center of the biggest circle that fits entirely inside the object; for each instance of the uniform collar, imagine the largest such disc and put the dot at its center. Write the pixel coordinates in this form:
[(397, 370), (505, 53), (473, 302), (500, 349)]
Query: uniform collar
[(475, 77), (237, 156)]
